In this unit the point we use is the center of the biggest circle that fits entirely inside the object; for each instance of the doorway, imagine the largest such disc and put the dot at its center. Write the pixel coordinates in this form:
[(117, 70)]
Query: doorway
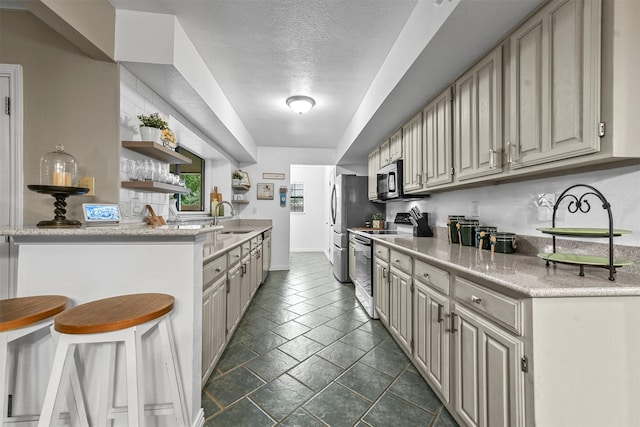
[(10, 171), (309, 196)]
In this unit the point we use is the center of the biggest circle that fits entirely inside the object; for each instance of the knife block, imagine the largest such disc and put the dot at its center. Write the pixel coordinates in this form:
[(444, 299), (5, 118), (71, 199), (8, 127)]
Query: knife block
[(422, 229)]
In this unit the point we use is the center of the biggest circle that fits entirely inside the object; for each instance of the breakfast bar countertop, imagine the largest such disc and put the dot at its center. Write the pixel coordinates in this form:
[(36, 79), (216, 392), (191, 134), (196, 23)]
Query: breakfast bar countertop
[(524, 275)]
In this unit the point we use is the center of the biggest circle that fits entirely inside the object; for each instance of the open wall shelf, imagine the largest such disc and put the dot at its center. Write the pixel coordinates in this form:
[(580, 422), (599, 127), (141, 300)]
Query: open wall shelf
[(157, 151)]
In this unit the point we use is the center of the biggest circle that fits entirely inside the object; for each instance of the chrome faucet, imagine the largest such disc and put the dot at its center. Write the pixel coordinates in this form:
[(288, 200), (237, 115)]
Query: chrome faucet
[(215, 211)]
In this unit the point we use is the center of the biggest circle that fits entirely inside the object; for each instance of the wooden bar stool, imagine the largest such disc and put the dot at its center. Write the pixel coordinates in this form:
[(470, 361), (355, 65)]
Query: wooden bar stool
[(124, 319), (20, 317)]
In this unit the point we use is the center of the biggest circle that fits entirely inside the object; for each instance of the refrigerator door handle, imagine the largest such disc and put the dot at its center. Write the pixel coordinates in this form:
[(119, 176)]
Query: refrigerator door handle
[(334, 204)]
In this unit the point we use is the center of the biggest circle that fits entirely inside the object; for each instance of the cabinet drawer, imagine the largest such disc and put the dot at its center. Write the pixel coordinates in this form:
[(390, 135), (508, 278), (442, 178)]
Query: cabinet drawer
[(432, 276), (401, 261), (213, 270), (246, 248), (382, 252), (234, 255), (254, 243), (494, 305)]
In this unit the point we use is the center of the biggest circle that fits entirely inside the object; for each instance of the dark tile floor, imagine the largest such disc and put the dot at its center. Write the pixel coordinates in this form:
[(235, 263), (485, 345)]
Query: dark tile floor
[(305, 354)]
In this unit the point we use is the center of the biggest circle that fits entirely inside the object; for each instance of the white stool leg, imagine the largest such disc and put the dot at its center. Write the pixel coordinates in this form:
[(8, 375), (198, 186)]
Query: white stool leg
[(59, 371), (75, 397), (133, 351), (107, 380), (4, 350), (173, 372)]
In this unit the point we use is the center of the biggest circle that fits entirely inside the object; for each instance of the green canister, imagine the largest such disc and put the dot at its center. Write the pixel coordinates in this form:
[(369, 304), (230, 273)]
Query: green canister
[(504, 243), (467, 231), (452, 221), (483, 233)]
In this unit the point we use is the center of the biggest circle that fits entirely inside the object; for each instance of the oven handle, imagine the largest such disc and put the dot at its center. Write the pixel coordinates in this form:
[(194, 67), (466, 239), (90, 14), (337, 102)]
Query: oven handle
[(362, 240)]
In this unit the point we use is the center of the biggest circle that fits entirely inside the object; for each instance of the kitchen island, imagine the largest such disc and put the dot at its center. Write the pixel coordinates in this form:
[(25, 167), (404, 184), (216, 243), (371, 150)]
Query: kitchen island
[(504, 340), (90, 263)]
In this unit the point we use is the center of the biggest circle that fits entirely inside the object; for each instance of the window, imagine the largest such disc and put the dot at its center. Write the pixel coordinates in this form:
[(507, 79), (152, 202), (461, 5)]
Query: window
[(297, 197), (193, 176)]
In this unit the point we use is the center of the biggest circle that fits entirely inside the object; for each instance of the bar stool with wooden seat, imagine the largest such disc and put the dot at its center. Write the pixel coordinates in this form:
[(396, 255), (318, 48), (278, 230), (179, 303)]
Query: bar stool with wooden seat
[(20, 317), (124, 318)]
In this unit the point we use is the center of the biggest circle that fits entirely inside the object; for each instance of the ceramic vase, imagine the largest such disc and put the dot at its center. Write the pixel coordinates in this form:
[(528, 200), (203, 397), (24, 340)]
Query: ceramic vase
[(150, 134)]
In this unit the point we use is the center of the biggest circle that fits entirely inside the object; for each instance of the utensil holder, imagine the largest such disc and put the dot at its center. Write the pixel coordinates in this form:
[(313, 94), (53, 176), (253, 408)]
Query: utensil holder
[(422, 228)]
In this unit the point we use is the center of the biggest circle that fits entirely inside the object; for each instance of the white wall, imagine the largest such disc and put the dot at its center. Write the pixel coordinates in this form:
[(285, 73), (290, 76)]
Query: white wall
[(309, 229), (279, 160), (510, 206)]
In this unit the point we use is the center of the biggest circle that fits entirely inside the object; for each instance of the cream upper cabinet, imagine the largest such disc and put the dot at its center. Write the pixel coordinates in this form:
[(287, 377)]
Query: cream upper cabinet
[(395, 146), (437, 159), (374, 165), (478, 119), (412, 154), (555, 84), (384, 153)]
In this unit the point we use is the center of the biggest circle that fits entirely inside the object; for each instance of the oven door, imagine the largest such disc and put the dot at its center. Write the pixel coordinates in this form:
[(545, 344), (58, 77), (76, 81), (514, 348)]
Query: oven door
[(364, 274)]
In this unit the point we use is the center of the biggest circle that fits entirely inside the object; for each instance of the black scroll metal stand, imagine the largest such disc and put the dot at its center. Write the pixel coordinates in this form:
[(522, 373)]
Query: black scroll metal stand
[(60, 194), (581, 204)]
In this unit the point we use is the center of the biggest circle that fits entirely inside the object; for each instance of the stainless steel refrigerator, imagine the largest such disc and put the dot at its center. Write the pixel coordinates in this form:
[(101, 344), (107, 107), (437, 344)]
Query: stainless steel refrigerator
[(350, 207)]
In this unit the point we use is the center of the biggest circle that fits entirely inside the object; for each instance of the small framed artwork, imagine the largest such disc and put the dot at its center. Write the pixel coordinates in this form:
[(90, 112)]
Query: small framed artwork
[(265, 191)]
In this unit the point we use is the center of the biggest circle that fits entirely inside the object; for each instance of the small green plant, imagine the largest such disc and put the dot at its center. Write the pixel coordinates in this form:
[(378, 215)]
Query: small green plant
[(377, 217), (236, 175), (153, 120)]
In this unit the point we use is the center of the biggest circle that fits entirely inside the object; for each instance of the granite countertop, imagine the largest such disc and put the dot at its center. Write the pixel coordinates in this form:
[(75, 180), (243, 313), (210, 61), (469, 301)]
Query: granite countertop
[(188, 230), (524, 275)]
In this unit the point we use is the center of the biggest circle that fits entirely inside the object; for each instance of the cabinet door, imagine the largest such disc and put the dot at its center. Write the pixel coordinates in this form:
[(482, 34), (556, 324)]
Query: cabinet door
[(253, 274), (214, 336), (266, 257), (489, 383), (208, 339), (233, 299), (400, 308), (412, 153), (381, 290), (395, 146), (554, 84), (245, 284), (478, 119), (438, 143), (374, 166), (431, 337), (352, 262), (384, 153)]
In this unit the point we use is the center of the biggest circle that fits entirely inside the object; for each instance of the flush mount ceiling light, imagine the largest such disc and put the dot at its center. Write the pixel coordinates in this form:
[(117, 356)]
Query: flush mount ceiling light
[(300, 104)]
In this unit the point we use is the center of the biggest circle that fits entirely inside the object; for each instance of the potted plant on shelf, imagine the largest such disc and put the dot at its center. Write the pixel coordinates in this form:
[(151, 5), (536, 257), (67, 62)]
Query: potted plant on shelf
[(378, 220), (152, 127), (236, 178)]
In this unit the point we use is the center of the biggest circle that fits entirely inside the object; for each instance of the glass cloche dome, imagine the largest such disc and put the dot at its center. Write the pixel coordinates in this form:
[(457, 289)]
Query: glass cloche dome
[(58, 168)]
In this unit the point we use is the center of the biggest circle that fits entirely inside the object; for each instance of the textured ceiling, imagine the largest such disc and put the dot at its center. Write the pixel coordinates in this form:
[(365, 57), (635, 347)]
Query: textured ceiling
[(263, 51)]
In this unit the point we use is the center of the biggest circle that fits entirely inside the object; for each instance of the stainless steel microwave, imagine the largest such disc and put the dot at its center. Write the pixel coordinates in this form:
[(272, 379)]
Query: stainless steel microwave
[(389, 181)]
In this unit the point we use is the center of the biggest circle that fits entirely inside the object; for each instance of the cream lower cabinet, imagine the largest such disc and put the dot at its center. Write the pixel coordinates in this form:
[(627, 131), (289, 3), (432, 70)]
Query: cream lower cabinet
[(266, 254), (555, 83), (489, 383), (234, 309), (381, 289), (245, 283), (431, 337), (401, 300), (214, 309)]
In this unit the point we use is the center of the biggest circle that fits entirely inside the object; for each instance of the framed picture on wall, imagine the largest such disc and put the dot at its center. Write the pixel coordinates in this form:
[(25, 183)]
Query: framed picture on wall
[(265, 191)]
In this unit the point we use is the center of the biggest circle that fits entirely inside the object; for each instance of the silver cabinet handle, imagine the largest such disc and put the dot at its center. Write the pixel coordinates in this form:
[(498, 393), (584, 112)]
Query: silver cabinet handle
[(384, 273), (397, 261), (509, 156), (492, 159), (476, 299), (440, 308), (218, 270), (425, 275)]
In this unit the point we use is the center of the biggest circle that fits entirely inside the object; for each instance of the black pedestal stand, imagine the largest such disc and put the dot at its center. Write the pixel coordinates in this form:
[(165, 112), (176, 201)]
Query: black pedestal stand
[(60, 194)]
